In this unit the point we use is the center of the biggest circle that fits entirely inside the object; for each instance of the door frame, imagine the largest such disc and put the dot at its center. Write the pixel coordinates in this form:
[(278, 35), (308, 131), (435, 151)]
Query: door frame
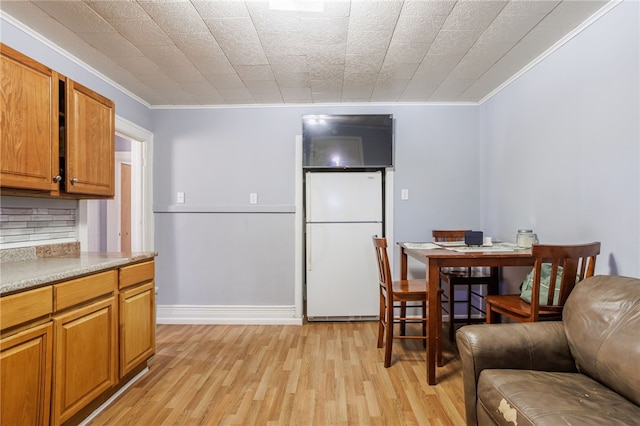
[(142, 223)]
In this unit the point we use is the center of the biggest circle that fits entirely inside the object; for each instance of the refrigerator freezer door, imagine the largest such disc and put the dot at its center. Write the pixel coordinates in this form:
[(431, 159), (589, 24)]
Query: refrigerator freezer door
[(342, 273), (343, 197)]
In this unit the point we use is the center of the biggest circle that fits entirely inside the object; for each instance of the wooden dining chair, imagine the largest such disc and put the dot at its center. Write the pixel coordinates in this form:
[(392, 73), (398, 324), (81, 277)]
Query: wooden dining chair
[(577, 262), (472, 279), (393, 296)]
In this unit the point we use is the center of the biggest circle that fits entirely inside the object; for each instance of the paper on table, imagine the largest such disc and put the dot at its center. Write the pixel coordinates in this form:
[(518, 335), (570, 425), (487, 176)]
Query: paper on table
[(509, 245), (499, 247), (451, 243), (421, 246)]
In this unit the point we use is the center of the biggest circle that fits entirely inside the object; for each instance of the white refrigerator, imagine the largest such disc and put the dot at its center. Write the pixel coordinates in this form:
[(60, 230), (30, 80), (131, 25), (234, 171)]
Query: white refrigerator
[(343, 210)]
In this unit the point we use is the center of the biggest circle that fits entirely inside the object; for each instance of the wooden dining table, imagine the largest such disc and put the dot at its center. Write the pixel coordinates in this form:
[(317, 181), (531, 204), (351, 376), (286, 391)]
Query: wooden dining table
[(436, 258)]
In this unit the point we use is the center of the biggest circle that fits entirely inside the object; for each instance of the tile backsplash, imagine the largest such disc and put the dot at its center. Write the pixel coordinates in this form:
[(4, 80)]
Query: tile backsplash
[(36, 224)]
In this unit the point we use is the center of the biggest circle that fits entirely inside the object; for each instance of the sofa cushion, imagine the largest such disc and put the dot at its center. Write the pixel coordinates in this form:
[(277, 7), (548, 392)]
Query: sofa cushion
[(602, 319), (527, 397)]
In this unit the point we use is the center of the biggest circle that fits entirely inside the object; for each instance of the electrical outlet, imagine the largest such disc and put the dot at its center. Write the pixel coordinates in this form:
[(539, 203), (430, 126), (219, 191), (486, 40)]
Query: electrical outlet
[(253, 198), (180, 198), (404, 194)]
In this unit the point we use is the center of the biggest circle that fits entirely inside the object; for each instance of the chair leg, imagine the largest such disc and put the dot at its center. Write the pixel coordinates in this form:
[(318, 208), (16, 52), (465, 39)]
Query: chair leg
[(403, 314), (439, 360), (389, 340), (469, 304), (381, 321), (452, 308), (424, 323)]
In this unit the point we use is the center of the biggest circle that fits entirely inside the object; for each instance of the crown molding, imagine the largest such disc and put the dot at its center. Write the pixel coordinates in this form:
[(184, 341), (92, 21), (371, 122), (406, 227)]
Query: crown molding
[(544, 55), (37, 36)]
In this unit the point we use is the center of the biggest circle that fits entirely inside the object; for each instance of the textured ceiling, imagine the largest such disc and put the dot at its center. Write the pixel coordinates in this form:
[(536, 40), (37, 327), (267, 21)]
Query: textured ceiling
[(246, 52)]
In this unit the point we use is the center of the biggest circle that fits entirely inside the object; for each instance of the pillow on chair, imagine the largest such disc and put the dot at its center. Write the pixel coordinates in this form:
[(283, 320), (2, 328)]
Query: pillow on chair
[(545, 277)]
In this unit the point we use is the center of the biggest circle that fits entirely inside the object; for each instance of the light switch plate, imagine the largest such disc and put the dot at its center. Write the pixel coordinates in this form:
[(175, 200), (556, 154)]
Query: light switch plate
[(180, 198), (253, 198), (404, 194)]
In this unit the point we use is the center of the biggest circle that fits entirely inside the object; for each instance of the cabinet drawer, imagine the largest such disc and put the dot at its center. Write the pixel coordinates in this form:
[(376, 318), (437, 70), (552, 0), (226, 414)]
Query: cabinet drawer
[(25, 306), (138, 273), (83, 289)]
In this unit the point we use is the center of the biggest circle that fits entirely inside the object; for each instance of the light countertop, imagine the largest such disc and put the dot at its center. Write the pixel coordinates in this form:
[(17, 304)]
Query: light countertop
[(24, 274)]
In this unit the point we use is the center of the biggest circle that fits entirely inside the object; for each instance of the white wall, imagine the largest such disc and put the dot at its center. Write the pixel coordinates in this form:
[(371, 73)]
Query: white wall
[(572, 121), (437, 160), (131, 113), (19, 37), (218, 156), (561, 146)]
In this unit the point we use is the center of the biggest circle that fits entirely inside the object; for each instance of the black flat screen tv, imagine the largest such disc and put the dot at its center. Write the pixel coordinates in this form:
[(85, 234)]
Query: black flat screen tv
[(347, 141)]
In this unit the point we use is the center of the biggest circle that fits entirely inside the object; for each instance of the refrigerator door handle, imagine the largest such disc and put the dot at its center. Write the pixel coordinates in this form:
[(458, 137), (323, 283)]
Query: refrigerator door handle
[(308, 249)]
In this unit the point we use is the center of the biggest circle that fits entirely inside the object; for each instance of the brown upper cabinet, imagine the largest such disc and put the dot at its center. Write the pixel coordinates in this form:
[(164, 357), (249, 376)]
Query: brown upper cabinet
[(57, 136), (28, 122), (90, 142)]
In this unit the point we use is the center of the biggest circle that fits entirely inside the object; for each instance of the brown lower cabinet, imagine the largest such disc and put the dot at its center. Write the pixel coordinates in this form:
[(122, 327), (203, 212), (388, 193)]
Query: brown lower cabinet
[(25, 365), (137, 315), (86, 357), (68, 355)]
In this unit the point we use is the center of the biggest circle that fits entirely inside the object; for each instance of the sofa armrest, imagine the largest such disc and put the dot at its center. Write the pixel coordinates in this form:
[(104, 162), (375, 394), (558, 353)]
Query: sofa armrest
[(527, 346)]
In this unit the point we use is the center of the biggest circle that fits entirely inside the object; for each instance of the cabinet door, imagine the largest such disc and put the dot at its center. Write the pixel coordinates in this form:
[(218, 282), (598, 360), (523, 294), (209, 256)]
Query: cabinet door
[(85, 364), (25, 364), (137, 326), (28, 123), (90, 144)]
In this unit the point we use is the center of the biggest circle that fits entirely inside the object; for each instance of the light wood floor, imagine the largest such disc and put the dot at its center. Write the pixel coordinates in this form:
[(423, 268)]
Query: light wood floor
[(315, 374)]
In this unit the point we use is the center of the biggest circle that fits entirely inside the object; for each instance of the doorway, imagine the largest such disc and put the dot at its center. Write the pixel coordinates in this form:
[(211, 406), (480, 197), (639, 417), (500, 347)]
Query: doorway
[(99, 225), (125, 207)]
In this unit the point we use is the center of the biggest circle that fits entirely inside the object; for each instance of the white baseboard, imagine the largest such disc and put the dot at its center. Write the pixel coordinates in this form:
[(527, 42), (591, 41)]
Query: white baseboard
[(238, 314)]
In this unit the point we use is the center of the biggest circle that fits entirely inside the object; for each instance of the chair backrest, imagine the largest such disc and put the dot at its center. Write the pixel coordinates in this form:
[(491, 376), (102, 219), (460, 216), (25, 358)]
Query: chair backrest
[(384, 270), (577, 261), (449, 235)]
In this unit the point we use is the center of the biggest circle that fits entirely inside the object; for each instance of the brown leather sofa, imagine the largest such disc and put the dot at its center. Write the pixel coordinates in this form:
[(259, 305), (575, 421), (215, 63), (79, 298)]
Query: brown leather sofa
[(583, 370)]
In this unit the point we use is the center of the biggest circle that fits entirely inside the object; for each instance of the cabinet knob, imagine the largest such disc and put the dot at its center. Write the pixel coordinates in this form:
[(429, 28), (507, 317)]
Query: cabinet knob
[(57, 179), (74, 181)]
